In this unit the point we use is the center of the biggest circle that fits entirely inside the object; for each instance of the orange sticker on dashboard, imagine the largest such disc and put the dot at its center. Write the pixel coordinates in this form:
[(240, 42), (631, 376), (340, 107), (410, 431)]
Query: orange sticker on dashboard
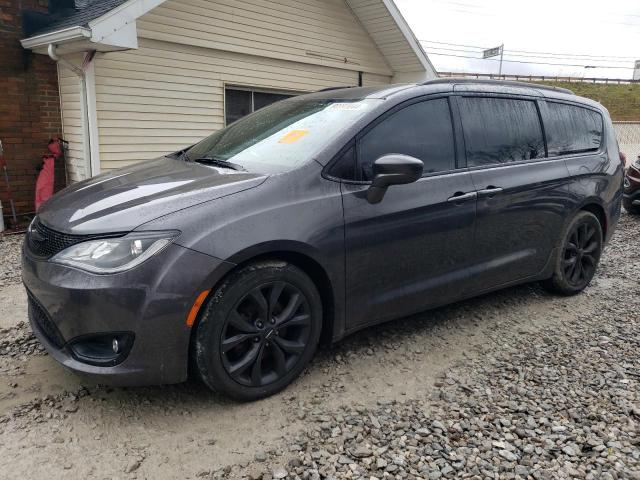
[(293, 136)]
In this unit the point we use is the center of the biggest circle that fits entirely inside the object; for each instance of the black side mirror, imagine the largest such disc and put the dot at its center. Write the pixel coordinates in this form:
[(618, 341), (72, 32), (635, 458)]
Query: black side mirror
[(394, 169)]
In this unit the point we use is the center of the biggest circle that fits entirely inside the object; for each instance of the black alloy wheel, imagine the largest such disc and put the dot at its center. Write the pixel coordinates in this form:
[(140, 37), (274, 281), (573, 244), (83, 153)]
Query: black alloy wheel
[(258, 331), (578, 254), (581, 254), (265, 334)]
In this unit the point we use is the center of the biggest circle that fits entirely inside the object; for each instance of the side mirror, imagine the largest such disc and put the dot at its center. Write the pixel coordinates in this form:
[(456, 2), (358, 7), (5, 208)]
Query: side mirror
[(390, 170)]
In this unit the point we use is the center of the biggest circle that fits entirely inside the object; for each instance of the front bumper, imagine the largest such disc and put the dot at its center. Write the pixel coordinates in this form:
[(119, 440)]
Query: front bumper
[(151, 301), (632, 185)]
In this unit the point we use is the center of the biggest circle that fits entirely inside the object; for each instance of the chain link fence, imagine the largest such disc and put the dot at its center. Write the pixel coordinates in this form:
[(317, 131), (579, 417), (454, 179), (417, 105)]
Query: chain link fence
[(628, 134)]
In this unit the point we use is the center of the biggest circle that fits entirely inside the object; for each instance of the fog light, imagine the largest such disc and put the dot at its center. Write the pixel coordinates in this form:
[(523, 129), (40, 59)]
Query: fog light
[(102, 349)]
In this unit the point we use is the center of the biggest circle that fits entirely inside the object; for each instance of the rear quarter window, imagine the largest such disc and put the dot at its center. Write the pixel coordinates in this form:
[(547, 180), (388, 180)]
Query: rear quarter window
[(572, 129)]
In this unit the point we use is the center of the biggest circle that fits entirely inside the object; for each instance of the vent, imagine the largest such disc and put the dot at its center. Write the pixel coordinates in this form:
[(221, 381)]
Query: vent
[(43, 322)]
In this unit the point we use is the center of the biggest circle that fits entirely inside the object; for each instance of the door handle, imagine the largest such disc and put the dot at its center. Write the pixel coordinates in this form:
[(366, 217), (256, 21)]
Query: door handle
[(460, 197), (490, 191)]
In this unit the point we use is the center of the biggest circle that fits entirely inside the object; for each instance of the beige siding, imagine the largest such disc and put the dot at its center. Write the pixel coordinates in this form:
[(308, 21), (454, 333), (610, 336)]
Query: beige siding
[(321, 32), (165, 96), (73, 123), (381, 26)]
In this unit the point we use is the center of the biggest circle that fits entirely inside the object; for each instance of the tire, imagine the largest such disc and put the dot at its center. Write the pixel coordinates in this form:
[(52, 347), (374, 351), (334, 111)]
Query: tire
[(578, 255), (630, 208), (259, 330)]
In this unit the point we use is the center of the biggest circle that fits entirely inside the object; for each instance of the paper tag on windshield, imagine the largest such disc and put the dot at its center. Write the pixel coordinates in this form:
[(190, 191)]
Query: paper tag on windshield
[(345, 106), (293, 136)]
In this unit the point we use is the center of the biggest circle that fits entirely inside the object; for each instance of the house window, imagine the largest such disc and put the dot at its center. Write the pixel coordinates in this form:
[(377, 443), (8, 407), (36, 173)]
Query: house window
[(240, 102)]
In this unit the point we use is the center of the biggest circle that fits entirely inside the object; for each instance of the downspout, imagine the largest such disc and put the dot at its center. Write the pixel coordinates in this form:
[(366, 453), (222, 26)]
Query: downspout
[(51, 50)]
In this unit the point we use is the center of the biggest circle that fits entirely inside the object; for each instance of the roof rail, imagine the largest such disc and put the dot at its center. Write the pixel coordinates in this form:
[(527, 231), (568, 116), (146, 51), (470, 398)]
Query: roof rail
[(328, 89), (508, 83)]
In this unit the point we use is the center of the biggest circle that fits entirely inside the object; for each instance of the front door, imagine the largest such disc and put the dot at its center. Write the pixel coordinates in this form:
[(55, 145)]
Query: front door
[(409, 251), (521, 193)]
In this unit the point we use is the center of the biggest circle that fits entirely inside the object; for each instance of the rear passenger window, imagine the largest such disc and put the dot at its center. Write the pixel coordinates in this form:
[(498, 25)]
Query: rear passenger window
[(422, 130), (500, 130), (572, 129)]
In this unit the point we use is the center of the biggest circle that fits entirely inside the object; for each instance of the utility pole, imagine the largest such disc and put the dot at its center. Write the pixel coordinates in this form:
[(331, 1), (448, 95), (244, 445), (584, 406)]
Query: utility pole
[(501, 55)]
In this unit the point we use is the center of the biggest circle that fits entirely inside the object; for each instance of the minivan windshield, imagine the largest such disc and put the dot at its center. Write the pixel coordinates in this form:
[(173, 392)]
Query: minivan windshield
[(281, 136)]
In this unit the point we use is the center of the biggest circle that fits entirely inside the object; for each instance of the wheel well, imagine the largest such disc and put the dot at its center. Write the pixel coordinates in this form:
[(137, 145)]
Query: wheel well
[(317, 274), (598, 211)]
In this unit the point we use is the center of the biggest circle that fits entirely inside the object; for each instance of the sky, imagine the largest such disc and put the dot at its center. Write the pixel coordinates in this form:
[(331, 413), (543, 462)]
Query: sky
[(585, 36)]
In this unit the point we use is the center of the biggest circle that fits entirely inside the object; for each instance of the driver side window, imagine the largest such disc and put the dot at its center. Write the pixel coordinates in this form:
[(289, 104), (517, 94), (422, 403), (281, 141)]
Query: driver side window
[(422, 130)]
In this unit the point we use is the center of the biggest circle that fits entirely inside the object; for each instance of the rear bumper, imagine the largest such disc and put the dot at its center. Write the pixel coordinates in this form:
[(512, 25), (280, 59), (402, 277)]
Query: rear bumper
[(151, 301)]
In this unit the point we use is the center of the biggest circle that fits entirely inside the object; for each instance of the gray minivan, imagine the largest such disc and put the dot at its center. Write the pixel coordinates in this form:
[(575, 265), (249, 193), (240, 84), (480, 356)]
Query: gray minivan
[(315, 217)]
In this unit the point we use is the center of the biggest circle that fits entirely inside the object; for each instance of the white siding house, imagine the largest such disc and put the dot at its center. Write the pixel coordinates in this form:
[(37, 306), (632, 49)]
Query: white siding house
[(148, 77)]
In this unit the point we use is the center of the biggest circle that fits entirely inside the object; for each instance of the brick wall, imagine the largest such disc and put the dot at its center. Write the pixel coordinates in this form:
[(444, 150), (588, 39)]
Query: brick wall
[(29, 107)]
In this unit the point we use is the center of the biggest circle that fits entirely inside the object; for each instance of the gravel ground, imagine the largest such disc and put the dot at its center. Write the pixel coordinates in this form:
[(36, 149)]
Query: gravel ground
[(516, 384), (10, 259)]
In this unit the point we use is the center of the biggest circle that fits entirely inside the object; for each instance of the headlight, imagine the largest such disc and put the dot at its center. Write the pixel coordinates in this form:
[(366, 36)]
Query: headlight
[(636, 163), (114, 255)]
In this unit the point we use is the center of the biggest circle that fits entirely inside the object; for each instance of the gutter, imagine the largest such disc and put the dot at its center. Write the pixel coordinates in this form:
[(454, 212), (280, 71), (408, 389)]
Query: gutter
[(57, 37)]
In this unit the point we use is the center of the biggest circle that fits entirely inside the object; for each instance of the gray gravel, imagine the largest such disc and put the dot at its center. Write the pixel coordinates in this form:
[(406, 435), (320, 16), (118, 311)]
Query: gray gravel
[(17, 340), (559, 403), (9, 259)]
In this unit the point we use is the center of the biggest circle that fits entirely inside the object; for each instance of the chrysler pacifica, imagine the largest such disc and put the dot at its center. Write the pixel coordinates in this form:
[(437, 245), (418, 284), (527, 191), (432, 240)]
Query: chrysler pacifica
[(315, 217)]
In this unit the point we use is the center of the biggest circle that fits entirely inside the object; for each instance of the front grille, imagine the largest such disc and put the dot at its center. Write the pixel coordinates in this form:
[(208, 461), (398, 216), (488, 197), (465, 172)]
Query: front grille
[(45, 242), (44, 323)]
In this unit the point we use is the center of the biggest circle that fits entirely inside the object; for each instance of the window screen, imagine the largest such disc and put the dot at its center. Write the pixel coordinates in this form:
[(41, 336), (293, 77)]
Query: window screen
[(239, 103), (422, 130), (500, 130), (572, 129)]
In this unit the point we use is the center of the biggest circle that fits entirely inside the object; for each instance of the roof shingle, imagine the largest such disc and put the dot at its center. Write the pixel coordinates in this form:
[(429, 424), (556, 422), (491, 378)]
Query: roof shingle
[(81, 17)]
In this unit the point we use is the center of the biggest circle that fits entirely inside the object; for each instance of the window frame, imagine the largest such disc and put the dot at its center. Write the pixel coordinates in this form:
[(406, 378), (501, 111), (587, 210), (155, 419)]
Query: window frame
[(535, 100), (252, 90), (355, 140), (544, 109)]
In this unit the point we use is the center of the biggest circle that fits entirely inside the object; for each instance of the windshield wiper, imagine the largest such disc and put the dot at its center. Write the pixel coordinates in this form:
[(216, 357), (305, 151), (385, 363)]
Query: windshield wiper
[(218, 162)]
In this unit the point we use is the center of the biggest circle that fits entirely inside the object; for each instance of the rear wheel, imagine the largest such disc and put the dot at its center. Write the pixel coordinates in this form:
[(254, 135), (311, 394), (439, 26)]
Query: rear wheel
[(578, 255), (629, 207), (259, 330)]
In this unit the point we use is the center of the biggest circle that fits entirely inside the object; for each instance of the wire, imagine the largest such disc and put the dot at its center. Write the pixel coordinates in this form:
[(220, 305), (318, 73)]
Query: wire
[(534, 63), (506, 52), (534, 52), (454, 44)]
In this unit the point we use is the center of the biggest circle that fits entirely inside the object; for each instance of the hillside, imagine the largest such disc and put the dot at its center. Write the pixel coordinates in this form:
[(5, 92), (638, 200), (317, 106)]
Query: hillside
[(622, 101)]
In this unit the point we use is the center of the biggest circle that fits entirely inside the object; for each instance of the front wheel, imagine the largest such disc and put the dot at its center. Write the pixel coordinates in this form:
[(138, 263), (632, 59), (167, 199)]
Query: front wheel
[(259, 330), (578, 255)]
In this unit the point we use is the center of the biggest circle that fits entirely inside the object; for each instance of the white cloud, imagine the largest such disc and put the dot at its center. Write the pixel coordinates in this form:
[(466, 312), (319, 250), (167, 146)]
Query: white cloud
[(610, 29)]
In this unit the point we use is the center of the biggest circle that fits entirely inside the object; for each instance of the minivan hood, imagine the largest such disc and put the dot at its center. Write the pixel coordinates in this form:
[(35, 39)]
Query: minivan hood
[(121, 200)]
